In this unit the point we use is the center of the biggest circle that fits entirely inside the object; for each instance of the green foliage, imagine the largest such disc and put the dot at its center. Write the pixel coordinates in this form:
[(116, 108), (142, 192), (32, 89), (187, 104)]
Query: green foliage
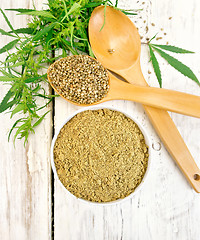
[(175, 63), (104, 21), (9, 46), (62, 26), (172, 48), (41, 13), (6, 19), (20, 10), (6, 33), (23, 30), (155, 65), (5, 104), (182, 68), (43, 31)]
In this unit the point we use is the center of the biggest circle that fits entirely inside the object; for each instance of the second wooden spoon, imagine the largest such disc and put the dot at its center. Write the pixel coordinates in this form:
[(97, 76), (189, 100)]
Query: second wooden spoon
[(117, 47)]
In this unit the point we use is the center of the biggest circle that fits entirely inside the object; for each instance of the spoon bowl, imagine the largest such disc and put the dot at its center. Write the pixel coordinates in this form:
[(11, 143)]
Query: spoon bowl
[(112, 43), (161, 98)]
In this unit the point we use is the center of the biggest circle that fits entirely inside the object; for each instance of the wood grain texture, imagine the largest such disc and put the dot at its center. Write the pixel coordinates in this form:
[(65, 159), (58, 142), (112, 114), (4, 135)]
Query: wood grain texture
[(25, 183), (166, 208)]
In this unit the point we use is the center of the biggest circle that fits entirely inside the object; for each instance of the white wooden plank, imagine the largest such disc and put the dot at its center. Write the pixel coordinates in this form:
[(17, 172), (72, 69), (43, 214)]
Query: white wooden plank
[(167, 207), (162, 210), (25, 183)]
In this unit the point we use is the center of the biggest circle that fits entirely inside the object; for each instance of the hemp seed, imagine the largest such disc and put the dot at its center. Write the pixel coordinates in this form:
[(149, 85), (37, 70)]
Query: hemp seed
[(80, 79)]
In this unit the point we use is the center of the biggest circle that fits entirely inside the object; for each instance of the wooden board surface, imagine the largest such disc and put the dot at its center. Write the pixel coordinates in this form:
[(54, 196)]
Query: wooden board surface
[(166, 208), (25, 183)]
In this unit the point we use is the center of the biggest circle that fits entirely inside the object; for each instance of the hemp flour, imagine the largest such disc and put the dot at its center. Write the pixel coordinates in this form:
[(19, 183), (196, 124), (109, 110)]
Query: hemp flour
[(100, 155)]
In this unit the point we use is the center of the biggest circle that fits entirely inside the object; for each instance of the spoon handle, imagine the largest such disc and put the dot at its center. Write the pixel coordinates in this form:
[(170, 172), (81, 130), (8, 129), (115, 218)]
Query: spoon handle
[(174, 101), (168, 133)]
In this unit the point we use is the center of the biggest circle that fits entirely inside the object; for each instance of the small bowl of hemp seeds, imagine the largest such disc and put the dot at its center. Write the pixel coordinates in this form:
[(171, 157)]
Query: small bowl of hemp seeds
[(101, 155)]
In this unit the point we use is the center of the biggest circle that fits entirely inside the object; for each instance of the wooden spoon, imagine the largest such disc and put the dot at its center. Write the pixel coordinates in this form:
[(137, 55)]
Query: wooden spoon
[(117, 46), (162, 98)]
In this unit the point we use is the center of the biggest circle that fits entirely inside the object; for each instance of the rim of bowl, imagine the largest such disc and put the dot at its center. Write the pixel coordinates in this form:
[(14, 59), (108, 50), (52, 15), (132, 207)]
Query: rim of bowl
[(147, 141)]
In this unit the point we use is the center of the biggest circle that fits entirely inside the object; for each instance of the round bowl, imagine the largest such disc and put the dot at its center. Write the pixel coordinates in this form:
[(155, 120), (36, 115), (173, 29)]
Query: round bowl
[(147, 141)]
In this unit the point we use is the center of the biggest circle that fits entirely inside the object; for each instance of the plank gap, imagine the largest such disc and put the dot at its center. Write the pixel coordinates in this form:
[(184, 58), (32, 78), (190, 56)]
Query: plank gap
[(52, 174)]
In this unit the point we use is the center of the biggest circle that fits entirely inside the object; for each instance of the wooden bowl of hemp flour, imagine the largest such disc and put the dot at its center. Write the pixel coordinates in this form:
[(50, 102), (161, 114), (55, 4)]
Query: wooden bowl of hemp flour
[(101, 155)]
